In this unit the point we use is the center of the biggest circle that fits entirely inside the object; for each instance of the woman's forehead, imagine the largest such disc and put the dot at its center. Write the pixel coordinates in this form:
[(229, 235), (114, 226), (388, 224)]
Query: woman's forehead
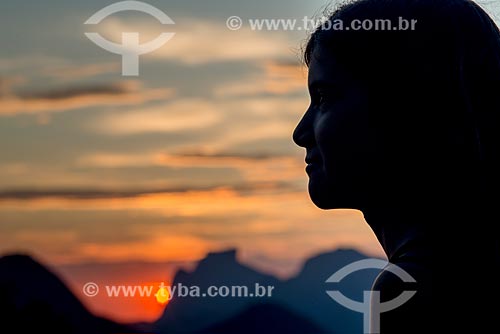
[(324, 68)]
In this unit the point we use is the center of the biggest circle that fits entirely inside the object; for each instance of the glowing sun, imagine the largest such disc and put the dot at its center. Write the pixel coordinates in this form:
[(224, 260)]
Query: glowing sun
[(162, 295)]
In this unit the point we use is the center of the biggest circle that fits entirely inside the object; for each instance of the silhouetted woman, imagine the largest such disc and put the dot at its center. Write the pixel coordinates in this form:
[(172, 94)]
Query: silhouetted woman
[(404, 125)]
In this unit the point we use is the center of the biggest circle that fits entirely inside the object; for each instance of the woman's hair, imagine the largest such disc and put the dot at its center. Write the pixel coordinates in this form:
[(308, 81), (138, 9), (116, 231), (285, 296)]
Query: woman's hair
[(433, 89)]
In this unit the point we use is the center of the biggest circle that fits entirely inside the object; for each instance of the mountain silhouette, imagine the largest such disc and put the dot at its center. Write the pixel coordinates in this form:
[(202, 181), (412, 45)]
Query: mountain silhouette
[(34, 300), (192, 314), (306, 292), (303, 296), (265, 319)]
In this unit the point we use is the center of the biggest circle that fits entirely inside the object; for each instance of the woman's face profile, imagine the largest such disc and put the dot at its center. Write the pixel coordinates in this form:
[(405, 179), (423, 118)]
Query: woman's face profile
[(334, 132)]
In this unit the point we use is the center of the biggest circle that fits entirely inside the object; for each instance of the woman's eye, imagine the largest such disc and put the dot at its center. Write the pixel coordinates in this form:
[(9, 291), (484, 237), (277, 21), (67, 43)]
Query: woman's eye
[(323, 96), (330, 97)]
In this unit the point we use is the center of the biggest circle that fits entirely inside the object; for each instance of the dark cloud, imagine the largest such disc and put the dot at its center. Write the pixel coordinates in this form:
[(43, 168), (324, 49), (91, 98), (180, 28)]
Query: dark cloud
[(230, 155), (64, 99), (74, 92), (76, 194)]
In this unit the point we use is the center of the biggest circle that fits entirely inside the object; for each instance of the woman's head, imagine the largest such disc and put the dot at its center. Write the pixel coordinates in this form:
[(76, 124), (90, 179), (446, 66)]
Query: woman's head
[(400, 109)]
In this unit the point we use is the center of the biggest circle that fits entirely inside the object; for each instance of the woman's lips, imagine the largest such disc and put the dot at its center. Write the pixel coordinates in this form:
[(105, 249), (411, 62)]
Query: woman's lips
[(312, 161), (311, 166)]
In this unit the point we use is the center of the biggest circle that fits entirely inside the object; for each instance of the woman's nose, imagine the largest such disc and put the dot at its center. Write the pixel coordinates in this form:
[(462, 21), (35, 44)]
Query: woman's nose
[(303, 134)]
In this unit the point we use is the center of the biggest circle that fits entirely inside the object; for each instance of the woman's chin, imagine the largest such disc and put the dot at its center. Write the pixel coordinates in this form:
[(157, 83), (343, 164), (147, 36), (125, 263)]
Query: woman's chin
[(327, 195), (321, 195)]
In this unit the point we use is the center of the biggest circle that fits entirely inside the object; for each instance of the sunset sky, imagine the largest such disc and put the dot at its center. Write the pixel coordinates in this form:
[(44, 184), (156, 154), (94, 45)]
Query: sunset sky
[(122, 180)]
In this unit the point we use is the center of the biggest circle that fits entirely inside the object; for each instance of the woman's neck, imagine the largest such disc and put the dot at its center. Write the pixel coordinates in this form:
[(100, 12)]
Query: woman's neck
[(398, 235), (456, 230)]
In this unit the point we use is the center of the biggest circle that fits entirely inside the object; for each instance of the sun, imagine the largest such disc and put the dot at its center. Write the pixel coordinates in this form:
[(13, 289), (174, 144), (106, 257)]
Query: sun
[(162, 295)]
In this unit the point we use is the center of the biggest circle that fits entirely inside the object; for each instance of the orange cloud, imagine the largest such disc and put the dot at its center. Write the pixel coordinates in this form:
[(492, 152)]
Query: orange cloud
[(284, 225), (278, 78), (254, 169), (68, 72), (30, 61), (286, 77), (198, 42), (176, 116), (224, 124), (163, 246)]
